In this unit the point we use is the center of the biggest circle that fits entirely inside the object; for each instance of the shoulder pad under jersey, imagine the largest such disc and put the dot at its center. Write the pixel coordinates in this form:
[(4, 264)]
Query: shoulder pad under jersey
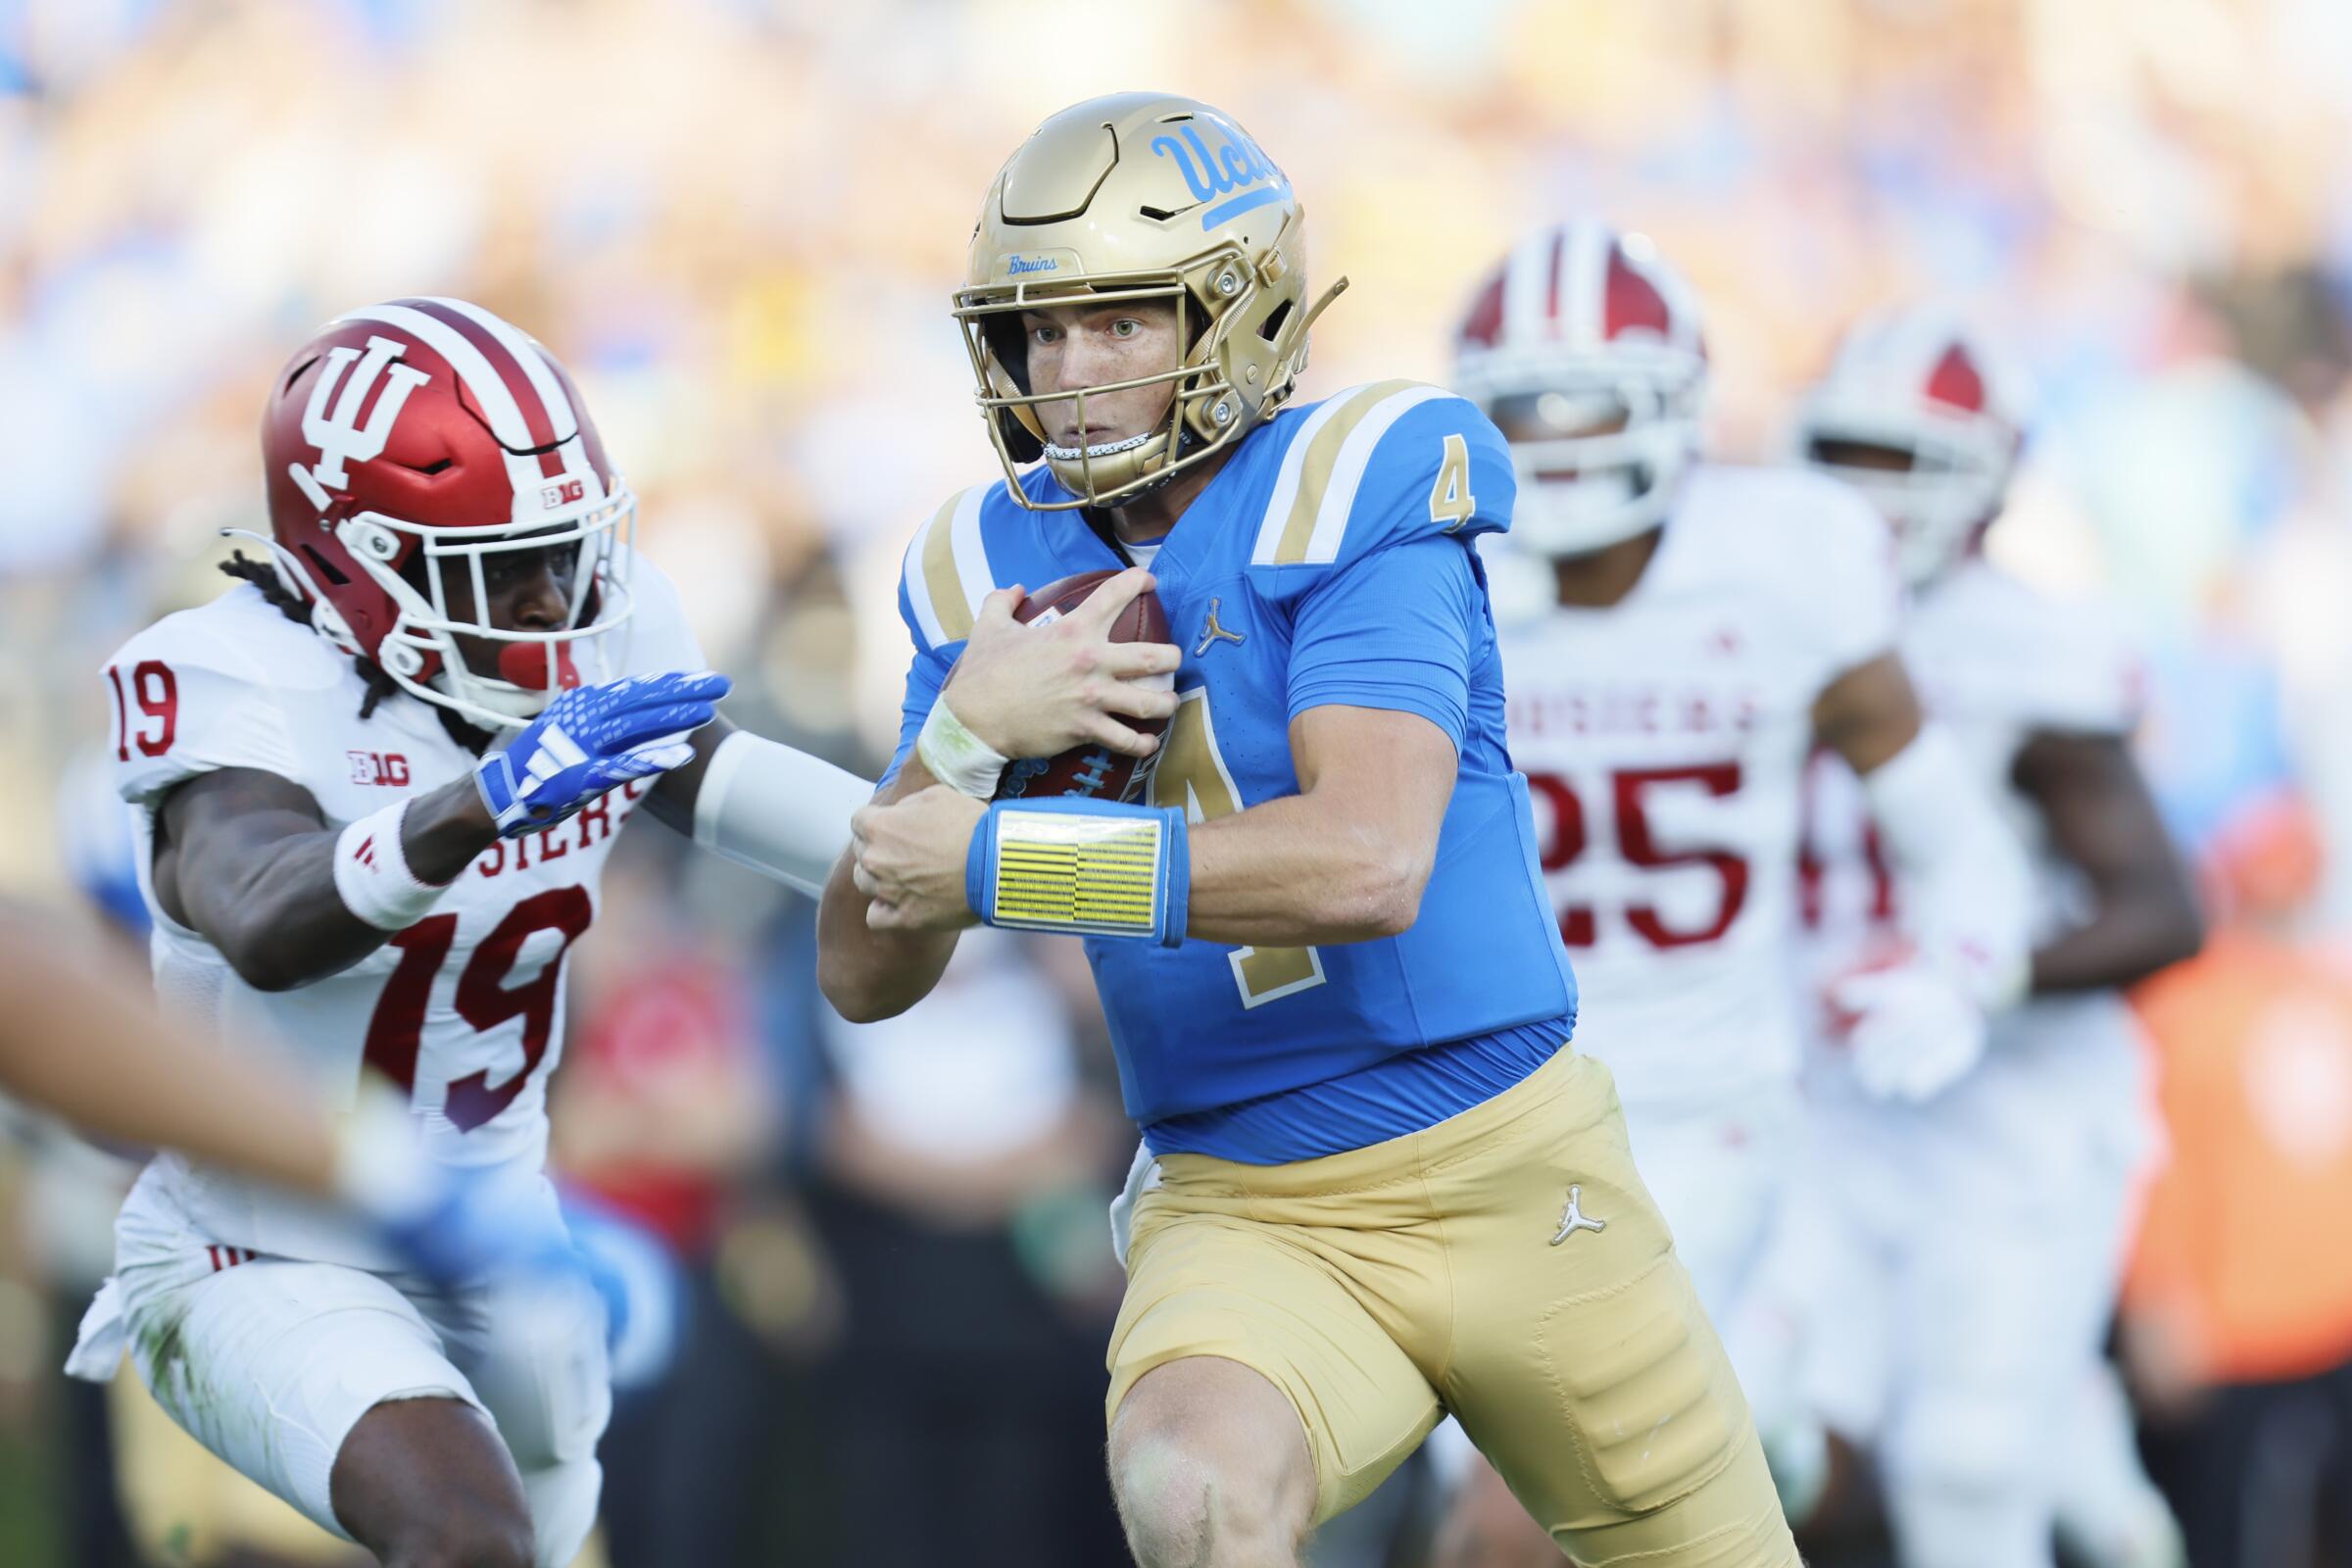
[(209, 688), (1377, 466), (945, 573)]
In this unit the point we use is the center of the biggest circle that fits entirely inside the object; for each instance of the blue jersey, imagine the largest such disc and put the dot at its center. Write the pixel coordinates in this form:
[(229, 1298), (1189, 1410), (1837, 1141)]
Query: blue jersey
[(1329, 561)]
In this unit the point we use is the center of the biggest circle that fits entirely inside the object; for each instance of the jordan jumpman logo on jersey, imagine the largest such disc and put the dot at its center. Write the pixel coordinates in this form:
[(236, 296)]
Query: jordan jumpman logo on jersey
[(1212, 632)]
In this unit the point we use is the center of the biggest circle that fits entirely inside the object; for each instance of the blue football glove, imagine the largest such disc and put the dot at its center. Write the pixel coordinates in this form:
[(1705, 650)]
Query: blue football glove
[(593, 739), (454, 1225), (470, 1226), (504, 1232), (637, 1277)]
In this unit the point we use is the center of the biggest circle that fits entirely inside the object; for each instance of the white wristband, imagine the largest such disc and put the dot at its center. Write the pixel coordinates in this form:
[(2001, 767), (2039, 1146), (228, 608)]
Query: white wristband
[(372, 875), (957, 757)]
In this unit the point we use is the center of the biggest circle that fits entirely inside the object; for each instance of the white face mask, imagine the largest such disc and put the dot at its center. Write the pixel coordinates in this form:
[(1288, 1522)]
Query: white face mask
[(1580, 502), (1624, 485), (1934, 511), (532, 667)]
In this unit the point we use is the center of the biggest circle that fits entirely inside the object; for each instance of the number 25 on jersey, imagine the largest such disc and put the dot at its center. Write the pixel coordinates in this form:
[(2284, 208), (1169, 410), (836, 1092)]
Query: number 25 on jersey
[(1631, 793)]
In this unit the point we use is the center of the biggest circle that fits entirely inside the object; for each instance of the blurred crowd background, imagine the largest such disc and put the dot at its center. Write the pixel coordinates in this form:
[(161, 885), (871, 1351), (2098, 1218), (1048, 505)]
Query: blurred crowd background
[(739, 221)]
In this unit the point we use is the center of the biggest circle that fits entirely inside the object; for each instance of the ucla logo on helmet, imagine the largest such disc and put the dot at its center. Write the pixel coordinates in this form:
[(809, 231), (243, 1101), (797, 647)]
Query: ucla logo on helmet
[(1236, 168), (1017, 264)]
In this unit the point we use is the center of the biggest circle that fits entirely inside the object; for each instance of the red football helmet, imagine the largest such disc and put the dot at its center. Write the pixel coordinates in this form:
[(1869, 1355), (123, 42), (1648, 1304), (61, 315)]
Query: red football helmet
[(421, 436), (1918, 382), (1588, 333)]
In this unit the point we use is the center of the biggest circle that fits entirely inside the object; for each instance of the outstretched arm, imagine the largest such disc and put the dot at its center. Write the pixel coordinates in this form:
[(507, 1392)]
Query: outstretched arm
[(245, 858), (766, 807), (82, 1039)]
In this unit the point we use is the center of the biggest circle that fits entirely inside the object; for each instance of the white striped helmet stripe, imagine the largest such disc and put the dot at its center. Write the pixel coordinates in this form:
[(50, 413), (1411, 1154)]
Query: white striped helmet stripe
[(1583, 287), (1527, 289), (553, 406), (527, 355), (489, 387)]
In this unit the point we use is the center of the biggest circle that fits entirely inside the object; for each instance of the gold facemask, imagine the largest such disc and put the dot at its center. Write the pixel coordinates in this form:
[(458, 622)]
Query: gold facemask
[(1143, 197)]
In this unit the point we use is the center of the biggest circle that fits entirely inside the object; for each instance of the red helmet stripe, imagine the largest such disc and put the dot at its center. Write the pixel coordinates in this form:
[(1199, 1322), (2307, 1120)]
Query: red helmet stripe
[(1956, 382), (503, 363), (1560, 248), (1484, 322), (506, 423), (1629, 300), (555, 392)]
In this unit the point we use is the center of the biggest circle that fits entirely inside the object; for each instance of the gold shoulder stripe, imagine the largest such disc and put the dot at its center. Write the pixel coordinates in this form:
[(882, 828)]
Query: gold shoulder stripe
[(1315, 472), (941, 586), (946, 569)]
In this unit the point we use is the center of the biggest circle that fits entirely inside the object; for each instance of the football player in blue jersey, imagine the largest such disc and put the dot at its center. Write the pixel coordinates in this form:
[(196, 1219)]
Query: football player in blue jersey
[(1385, 1188)]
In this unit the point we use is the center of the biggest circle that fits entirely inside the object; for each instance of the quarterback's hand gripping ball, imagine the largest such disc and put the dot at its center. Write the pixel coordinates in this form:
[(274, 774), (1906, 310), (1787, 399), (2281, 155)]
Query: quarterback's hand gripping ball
[(1090, 770), (593, 739)]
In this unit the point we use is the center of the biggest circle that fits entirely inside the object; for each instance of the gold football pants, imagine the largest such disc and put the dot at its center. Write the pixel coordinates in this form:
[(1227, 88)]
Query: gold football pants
[(1441, 1271)]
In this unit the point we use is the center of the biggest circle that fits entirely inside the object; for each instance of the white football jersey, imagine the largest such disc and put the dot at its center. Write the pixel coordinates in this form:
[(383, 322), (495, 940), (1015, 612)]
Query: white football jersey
[(1664, 740), (1996, 662), (464, 1008)]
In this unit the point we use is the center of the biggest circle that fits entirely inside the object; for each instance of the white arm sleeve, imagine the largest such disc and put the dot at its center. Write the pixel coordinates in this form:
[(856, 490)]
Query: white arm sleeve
[(1965, 875), (782, 812)]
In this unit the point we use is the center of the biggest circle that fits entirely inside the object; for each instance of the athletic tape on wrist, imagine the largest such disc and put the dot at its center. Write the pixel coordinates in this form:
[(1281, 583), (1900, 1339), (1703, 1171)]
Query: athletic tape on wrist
[(1097, 868), (955, 756), (372, 875)]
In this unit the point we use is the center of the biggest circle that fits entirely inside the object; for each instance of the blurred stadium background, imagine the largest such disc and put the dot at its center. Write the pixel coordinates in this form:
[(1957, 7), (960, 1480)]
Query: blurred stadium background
[(738, 221)]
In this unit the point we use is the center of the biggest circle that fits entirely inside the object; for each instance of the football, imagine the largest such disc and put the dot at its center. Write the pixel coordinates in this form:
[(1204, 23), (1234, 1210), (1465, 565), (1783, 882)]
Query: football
[(1090, 772)]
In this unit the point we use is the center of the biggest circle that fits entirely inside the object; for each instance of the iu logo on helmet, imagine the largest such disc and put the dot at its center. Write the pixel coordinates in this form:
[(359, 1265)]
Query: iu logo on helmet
[(341, 438)]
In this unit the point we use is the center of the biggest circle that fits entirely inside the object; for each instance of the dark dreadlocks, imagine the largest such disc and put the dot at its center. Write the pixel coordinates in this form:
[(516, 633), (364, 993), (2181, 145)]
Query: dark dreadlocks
[(264, 577)]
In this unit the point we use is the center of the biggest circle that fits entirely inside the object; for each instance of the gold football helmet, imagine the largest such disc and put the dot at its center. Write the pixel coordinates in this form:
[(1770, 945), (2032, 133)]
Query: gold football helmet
[(1143, 196)]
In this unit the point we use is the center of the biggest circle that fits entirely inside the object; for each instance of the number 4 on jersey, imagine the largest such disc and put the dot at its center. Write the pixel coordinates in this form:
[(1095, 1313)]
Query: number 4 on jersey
[(1450, 502), (1192, 773)]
